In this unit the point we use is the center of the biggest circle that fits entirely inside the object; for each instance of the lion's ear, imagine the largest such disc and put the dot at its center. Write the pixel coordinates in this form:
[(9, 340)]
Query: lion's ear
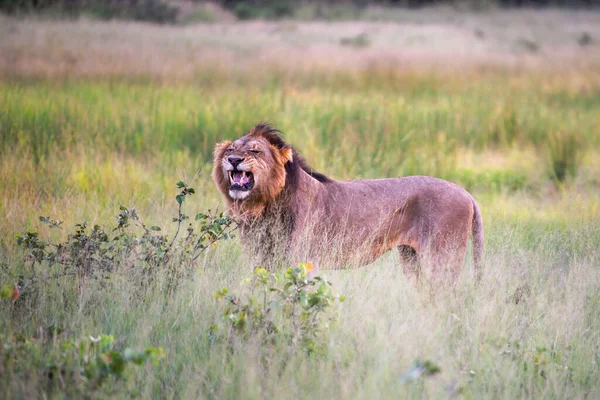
[(221, 147), (286, 154)]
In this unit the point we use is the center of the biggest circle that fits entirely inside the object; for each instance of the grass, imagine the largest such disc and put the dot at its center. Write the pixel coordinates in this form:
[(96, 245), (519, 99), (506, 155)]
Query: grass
[(74, 148)]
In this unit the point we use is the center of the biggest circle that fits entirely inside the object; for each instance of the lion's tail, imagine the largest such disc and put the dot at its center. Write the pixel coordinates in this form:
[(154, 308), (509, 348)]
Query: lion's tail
[(477, 230)]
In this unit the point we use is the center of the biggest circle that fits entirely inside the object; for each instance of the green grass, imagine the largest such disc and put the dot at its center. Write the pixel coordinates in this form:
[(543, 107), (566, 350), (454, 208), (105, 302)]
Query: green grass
[(76, 149)]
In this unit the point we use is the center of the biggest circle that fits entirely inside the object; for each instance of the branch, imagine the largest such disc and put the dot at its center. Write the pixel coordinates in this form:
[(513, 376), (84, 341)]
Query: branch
[(178, 227), (140, 223), (216, 239)]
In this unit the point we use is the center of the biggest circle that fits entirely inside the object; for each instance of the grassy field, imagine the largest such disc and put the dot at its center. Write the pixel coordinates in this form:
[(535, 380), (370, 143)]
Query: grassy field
[(118, 124)]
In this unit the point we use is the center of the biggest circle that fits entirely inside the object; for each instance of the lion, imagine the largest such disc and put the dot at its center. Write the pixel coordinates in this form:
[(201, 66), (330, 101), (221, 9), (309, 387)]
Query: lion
[(287, 211)]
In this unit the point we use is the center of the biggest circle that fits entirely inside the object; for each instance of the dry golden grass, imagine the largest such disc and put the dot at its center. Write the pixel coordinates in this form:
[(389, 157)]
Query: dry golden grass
[(436, 39)]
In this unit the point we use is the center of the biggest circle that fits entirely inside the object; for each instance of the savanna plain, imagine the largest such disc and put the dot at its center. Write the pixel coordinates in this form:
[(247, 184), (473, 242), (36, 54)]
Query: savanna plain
[(100, 118)]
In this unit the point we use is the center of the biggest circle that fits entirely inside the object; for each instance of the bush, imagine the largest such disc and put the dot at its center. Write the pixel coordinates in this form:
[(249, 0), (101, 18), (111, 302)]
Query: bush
[(267, 9), (287, 308), (95, 252), (139, 10), (75, 367)]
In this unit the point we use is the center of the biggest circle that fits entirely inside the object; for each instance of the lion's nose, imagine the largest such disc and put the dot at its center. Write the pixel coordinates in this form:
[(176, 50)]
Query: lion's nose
[(235, 161)]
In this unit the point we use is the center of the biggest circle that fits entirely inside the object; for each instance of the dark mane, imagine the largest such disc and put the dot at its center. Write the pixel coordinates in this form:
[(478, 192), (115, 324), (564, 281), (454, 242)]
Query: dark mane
[(273, 137)]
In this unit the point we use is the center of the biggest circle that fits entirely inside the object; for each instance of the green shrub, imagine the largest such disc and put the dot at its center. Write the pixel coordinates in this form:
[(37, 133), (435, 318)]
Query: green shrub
[(285, 308), (140, 10), (200, 14), (267, 9), (75, 367), (97, 252), (331, 12)]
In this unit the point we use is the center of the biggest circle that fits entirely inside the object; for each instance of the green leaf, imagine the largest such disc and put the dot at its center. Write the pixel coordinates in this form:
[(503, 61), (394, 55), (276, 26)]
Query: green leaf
[(117, 363), (155, 354), (180, 184), (303, 300), (6, 291), (155, 228), (180, 198), (322, 288)]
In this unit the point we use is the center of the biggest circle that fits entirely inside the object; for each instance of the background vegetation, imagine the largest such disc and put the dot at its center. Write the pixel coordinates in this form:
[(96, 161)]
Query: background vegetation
[(177, 11), (98, 119)]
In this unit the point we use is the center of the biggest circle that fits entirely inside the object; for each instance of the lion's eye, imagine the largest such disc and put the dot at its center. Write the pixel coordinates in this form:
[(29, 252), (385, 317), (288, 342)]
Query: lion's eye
[(228, 150), (255, 151)]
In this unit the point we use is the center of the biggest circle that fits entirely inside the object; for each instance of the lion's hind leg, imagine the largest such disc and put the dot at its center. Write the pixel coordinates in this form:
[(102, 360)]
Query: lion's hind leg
[(446, 256), (410, 262)]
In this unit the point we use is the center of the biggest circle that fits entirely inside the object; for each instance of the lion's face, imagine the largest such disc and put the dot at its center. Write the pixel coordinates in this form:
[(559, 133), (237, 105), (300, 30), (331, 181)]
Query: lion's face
[(250, 169)]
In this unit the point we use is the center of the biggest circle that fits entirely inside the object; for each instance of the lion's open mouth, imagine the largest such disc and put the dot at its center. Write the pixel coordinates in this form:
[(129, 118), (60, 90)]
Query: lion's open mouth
[(241, 180)]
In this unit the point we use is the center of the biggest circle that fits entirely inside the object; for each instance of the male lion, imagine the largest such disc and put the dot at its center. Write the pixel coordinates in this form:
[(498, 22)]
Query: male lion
[(287, 210)]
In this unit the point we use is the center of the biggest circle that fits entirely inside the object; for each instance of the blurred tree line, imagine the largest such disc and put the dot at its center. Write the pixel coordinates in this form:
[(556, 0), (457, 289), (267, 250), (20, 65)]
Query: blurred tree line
[(140, 10), (166, 11)]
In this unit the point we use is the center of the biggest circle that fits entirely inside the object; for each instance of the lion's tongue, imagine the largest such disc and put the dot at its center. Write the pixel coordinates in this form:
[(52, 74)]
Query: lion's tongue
[(237, 177), (240, 178)]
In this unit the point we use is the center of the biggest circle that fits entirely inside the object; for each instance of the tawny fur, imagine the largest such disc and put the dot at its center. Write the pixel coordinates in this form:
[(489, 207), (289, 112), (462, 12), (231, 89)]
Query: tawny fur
[(296, 214)]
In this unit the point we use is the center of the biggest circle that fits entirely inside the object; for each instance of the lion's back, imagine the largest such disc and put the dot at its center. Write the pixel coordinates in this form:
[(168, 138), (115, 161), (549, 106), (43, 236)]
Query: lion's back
[(386, 189)]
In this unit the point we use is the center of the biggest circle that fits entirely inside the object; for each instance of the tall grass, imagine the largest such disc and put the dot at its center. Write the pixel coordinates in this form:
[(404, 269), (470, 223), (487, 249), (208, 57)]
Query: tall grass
[(394, 128), (484, 343)]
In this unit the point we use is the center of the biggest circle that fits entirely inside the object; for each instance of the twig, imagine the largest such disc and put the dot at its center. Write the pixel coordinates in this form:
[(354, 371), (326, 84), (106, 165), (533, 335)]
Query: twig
[(142, 225), (178, 227), (216, 239)]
